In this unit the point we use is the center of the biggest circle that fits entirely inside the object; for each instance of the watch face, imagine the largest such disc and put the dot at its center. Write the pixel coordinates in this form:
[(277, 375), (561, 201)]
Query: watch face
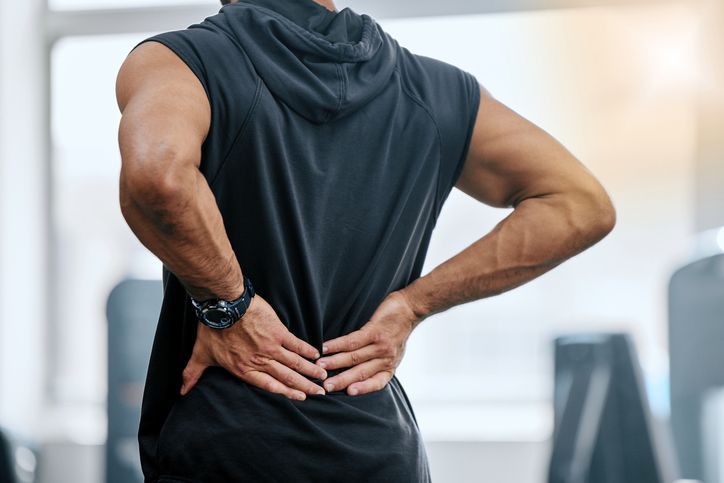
[(218, 318)]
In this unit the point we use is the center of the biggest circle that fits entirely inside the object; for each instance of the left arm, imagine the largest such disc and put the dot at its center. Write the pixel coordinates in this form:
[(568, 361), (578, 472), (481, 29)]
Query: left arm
[(164, 197), (170, 207)]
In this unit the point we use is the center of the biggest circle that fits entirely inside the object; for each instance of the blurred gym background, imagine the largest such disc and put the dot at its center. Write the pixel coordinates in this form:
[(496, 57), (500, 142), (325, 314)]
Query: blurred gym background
[(634, 88)]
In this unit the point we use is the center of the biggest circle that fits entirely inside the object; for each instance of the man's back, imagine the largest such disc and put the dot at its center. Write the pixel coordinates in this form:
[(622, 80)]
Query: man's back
[(307, 147), (330, 152)]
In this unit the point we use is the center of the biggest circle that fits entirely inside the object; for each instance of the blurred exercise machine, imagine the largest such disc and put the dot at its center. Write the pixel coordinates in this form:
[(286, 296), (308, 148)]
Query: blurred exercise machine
[(696, 348), (7, 466), (132, 311), (603, 428), (18, 459)]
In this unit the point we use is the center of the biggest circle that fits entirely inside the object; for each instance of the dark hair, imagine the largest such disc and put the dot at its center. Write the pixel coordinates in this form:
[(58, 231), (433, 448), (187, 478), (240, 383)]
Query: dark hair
[(225, 2)]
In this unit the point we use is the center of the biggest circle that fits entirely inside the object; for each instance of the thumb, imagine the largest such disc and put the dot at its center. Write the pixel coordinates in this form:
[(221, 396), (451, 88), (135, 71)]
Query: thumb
[(192, 373)]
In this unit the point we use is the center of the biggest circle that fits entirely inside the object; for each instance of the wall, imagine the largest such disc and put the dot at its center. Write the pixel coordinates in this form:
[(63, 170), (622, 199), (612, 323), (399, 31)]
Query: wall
[(23, 214)]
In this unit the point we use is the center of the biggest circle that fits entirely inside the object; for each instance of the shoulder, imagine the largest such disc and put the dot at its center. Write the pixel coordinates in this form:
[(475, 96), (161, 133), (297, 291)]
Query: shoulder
[(428, 76), (153, 67)]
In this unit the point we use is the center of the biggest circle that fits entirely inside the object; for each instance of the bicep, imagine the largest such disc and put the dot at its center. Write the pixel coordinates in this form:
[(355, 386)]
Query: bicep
[(165, 112), (511, 159)]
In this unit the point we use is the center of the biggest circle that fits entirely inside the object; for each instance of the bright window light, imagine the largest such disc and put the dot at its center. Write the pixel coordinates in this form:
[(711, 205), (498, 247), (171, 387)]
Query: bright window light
[(720, 239)]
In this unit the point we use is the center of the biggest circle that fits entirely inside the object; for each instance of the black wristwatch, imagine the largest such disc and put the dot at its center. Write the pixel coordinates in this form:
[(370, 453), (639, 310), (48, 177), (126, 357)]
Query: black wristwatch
[(219, 313)]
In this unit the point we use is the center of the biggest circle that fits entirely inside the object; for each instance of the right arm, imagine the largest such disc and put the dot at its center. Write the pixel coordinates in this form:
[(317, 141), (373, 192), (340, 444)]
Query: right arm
[(560, 209)]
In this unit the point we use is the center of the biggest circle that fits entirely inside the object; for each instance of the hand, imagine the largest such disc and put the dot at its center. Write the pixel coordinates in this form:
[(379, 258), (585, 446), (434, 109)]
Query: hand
[(374, 351), (258, 349)]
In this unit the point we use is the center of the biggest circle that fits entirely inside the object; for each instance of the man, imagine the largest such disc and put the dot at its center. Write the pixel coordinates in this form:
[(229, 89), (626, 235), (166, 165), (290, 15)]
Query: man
[(287, 162)]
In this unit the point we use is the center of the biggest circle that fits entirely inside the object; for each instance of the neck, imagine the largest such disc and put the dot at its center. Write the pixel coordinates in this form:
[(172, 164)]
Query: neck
[(328, 4)]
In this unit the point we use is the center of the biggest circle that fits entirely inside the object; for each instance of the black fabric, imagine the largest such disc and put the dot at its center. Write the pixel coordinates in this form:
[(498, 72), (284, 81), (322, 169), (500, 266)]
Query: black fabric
[(330, 153)]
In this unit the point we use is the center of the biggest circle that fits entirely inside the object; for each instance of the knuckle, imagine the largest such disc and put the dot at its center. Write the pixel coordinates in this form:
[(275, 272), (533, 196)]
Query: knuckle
[(363, 374), (359, 339), (378, 338), (354, 356), (279, 334), (385, 348), (241, 369), (259, 359)]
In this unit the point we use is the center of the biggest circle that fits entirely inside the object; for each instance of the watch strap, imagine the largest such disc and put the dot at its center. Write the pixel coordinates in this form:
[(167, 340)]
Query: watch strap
[(235, 308)]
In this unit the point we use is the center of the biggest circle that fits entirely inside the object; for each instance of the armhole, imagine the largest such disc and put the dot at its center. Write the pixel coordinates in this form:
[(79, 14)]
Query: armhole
[(471, 128), (190, 62)]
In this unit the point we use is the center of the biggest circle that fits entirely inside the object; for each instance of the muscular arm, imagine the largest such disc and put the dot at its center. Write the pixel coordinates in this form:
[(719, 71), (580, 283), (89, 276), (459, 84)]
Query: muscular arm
[(560, 209), (164, 197)]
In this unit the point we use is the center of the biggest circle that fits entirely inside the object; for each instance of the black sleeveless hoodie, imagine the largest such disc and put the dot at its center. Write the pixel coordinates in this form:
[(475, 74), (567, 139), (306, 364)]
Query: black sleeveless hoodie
[(330, 153)]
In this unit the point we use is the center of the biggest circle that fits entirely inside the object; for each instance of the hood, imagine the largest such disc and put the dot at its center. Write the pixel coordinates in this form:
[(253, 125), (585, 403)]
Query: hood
[(322, 64)]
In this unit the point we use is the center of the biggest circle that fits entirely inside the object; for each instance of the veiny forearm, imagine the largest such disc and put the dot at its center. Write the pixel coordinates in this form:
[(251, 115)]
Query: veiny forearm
[(181, 224), (538, 235)]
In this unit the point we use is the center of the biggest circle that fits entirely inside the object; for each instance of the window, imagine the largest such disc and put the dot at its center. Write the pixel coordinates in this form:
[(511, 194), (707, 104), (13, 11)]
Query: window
[(586, 76), (601, 81), (95, 248), (96, 4)]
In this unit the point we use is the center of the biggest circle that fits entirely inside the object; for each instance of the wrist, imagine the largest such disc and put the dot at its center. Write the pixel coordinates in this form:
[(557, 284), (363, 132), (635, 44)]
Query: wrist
[(415, 301), (232, 293), (221, 313), (228, 292)]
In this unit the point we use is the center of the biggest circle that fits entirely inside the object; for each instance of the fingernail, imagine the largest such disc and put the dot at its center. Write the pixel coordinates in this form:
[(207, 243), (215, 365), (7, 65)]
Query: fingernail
[(329, 387), (183, 388), (316, 355), (301, 397), (353, 391), (324, 349), (322, 364), (320, 391), (324, 375)]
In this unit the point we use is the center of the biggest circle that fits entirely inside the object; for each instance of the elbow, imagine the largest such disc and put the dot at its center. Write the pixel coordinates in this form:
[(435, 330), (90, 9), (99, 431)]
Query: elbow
[(597, 215), (154, 182), (606, 218)]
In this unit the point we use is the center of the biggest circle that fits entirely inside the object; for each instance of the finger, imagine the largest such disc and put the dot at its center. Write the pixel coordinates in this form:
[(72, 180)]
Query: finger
[(300, 364), (357, 373), (374, 383), (267, 382), (352, 341), (295, 344), (292, 379), (192, 373), (348, 359)]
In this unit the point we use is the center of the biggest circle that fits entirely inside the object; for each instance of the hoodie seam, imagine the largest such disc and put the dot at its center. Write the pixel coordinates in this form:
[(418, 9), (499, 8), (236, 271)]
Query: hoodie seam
[(338, 48), (240, 132), (342, 86), (425, 107)]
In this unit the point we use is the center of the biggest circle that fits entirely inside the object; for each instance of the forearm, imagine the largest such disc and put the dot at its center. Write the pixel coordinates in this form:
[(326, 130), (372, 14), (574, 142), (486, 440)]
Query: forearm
[(538, 235), (183, 227)]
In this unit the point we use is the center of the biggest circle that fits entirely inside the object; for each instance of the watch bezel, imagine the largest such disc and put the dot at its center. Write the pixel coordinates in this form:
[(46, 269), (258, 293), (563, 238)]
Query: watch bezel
[(234, 309), (227, 315)]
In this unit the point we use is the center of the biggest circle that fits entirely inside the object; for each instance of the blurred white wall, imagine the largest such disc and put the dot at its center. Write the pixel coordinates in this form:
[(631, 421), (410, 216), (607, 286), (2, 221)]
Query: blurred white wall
[(23, 213)]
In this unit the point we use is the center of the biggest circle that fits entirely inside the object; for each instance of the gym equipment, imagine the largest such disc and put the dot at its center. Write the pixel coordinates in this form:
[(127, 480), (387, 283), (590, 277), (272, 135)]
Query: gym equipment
[(696, 355), (604, 431), (132, 310), (18, 459)]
